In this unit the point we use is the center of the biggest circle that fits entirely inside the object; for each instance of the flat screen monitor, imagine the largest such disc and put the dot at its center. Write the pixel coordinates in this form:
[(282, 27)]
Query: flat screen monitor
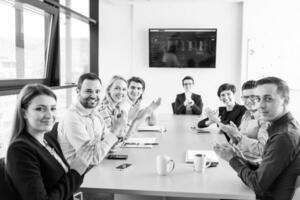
[(182, 48)]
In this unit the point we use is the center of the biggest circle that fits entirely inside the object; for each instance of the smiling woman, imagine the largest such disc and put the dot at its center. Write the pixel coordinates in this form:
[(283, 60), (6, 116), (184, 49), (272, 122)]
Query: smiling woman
[(231, 112), (35, 162)]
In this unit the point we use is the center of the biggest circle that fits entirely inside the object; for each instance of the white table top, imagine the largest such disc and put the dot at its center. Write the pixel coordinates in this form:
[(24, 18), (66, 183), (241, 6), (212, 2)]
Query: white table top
[(141, 178)]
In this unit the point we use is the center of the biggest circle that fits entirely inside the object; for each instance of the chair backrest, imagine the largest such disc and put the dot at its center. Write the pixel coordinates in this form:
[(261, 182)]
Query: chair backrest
[(173, 107), (54, 132), (5, 188), (297, 189)]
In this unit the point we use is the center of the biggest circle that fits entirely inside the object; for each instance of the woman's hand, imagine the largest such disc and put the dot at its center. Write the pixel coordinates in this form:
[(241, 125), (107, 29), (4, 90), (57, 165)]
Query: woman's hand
[(212, 115), (119, 123)]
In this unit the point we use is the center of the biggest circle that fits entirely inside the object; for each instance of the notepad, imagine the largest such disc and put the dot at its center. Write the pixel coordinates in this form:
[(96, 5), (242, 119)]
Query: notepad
[(211, 155), (156, 128), (140, 142)]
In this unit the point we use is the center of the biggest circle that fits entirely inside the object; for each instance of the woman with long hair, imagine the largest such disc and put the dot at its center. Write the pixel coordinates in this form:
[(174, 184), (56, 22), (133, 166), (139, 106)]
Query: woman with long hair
[(35, 163)]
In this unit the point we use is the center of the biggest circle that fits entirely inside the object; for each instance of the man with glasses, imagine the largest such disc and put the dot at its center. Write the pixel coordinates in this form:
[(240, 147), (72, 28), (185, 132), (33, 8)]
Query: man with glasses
[(188, 103), (251, 136), (275, 177)]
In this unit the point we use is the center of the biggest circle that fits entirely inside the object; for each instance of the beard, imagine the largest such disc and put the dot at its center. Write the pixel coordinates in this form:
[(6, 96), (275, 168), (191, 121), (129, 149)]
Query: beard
[(89, 102)]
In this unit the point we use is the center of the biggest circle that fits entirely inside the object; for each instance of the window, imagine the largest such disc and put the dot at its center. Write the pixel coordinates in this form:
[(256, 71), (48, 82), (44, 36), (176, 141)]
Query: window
[(46, 41), (26, 38), (74, 49)]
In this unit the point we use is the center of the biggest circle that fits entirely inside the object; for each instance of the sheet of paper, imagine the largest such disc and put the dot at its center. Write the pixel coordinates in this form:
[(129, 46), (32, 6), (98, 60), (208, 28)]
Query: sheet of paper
[(140, 142), (211, 155)]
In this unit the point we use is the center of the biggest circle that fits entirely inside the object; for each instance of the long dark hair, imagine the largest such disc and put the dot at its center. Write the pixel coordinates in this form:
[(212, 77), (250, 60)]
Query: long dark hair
[(25, 96)]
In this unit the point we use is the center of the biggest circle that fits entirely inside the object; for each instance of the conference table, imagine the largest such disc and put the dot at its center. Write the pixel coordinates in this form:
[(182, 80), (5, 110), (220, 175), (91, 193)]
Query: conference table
[(141, 181)]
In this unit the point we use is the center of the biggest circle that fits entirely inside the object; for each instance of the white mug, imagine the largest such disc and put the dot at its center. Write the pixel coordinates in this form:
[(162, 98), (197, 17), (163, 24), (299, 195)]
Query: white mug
[(200, 162), (164, 165)]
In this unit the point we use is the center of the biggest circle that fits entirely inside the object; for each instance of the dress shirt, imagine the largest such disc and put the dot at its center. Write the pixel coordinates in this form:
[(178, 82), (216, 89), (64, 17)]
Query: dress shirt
[(275, 177), (80, 125), (254, 134)]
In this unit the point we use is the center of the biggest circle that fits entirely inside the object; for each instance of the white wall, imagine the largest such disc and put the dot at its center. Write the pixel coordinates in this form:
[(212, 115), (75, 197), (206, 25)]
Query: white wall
[(124, 44)]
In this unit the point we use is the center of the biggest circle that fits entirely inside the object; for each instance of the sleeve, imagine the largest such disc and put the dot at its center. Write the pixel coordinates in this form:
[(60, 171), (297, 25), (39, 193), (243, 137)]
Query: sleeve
[(24, 170), (104, 146), (77, 135), (75, 130), (179, 107), (202, 123), (255, 146), (198, 105), (276, 158)]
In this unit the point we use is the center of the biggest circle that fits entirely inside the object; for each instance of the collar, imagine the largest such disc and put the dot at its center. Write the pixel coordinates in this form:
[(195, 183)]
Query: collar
[(130, 102), (280, 122), (253, 115), (82, 110)]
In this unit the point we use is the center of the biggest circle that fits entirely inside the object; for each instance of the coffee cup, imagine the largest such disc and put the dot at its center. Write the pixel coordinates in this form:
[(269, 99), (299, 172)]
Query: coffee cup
[(200, 162), (164, 165)]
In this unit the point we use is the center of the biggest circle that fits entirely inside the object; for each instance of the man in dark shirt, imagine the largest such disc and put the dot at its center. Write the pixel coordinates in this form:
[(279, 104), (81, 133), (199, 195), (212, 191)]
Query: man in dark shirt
[(188, 102), (275, 177)]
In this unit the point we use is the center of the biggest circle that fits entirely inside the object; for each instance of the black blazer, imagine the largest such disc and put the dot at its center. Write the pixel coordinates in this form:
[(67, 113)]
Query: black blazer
[(36, 174), (196, 108)]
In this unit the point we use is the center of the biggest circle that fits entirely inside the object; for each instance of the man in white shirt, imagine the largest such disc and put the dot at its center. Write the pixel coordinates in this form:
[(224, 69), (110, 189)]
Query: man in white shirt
[(82, 122), (134, 100)]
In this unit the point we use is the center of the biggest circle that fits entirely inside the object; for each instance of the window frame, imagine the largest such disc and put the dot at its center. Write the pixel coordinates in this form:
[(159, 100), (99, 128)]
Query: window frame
[(52, 79), (14, 84)]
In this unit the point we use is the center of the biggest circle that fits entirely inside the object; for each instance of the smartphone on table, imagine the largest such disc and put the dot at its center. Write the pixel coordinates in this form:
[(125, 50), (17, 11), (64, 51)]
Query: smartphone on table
[(123, 166)]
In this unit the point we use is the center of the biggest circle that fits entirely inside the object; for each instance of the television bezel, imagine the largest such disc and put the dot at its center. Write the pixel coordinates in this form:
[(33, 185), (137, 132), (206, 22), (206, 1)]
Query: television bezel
[(183, 30)]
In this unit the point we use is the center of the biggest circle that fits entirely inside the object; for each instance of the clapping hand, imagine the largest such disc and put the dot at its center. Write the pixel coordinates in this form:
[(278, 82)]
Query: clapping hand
[(212, 115), (142, 114), (231, 129), (119, 122), (191, 103), (225, 151), (134, 110)]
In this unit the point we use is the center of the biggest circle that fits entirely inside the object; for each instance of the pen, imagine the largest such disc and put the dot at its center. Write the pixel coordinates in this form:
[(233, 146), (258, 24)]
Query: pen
[(131, 143), (154, 143)]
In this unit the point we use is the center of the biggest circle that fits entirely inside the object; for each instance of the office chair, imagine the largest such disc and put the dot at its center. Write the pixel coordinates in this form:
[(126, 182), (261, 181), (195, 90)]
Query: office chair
[(6, 189), (53, 133), (296, 195), (173, 108)]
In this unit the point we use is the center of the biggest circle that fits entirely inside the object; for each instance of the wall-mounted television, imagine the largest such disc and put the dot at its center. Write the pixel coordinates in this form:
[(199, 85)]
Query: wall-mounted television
[(182, 48)]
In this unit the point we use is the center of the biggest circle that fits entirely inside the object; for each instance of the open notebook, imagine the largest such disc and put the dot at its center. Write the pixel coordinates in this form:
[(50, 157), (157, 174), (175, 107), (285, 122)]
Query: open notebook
[(140, 142), (211, 155), (155, 128)]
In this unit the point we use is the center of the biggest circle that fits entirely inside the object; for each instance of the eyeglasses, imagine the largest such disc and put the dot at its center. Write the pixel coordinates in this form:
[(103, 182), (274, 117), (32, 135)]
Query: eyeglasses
[(188, 84), (252, 98), (257, 99)]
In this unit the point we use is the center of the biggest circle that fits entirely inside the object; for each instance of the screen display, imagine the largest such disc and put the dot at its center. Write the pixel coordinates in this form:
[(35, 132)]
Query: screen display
[(186, 48)]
